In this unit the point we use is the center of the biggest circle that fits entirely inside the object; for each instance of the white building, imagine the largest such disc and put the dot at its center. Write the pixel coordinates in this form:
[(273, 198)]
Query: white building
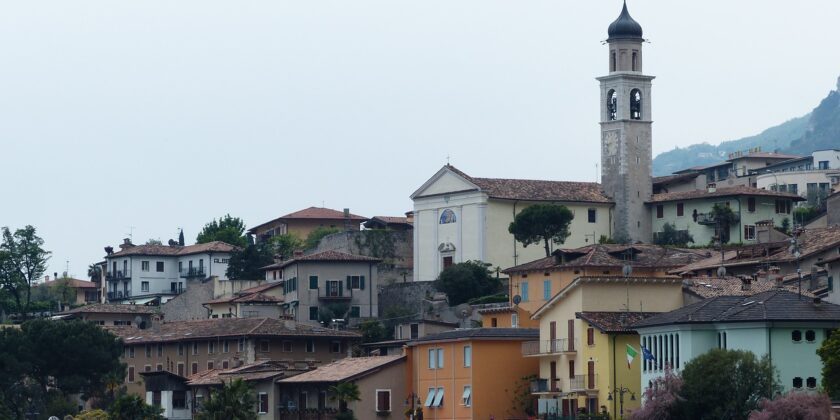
[(142, 273), (459, 218), (811, 177)]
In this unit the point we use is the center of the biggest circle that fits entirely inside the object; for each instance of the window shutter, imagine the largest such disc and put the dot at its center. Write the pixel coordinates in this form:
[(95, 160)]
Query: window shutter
[(349, 283), (341, 289), (362, 282)]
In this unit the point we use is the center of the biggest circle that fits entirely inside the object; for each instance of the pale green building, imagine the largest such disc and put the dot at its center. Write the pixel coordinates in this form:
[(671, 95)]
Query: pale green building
[(755, 211), (779, 323)]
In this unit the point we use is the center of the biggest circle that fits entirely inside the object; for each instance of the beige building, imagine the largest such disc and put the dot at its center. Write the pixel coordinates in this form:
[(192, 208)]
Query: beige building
[(72, 291), (302, 222), (187, 348), (381, 382), (459, 218), (263, 301), (327, 279), (115, 314)]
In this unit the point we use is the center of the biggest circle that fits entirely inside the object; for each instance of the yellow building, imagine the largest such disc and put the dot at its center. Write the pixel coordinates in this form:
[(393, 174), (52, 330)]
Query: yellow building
[(469, 373), (302, 222), (537, 281), (583, 341)]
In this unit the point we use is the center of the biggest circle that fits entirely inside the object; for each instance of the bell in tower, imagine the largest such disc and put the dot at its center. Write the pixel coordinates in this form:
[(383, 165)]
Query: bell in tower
[(626, 152)]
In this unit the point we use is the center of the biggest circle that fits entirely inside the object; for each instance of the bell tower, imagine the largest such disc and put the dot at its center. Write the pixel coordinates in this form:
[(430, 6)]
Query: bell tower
[(626, 155)]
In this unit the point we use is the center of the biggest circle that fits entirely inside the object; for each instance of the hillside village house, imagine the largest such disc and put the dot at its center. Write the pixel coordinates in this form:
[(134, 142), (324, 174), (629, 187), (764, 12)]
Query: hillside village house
[(381, 382), (187, 348), (778, 323), (405, 332), (71, 291), (302, 222), (536, 282), (263, 301), (584, 333), (328, 278), (458, 218), (811, 177), (691, 212), (741, 169), (144, 273), (456, 374), (114, 315)]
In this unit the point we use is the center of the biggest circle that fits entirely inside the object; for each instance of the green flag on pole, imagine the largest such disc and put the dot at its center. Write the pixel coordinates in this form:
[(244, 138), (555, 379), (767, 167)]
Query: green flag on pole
[(631, 354)]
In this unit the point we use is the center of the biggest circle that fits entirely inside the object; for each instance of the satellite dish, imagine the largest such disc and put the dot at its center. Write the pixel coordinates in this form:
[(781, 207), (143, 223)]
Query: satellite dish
[(721, 271), (627, 270), (139, 322), (517, 299)]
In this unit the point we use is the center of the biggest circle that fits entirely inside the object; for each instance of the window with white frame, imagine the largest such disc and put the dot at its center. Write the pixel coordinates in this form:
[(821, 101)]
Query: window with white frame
[(440, 358), (432, 358), (430, 398), (144, 266), (438, 398), (467, 356), (263, 400), (749, 232), (144, 286), (383, 400), (466, 397)]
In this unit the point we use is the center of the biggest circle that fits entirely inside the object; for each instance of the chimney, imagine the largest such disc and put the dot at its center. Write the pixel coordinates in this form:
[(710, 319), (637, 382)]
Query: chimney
[(746, 283), (711, 188), (46, 279), (126, 244), (409, 217), (297, 253), (776, 277)]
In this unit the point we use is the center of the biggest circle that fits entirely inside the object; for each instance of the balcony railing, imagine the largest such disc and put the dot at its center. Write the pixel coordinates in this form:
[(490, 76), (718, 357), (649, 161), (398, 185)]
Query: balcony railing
[(118, 275), (583, 383), (118, 295), (709, 218), (192, 272), (548, 347), (330, 293)]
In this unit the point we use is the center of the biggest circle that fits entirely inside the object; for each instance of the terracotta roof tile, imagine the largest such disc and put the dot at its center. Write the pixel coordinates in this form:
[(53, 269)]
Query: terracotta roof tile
[(345, 369), (721, 192), (538, 190), (312, 213), (106, 308), (215, 246), (661, 180), (227, 327), (709, 287), (326, 256), (482, 334), (614, 322), (71, 282), (253, 294), (611, 255)]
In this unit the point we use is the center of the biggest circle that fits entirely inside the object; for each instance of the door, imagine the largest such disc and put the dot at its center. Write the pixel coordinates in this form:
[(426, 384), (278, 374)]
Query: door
[(571, 335)]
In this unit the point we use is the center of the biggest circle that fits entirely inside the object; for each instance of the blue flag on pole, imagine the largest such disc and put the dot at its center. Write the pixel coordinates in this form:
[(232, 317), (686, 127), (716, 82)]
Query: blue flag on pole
[(647, 355)]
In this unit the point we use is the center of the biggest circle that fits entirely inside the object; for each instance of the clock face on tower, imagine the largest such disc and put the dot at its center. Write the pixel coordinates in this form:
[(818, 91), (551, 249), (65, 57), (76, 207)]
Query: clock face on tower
[(611, 142)]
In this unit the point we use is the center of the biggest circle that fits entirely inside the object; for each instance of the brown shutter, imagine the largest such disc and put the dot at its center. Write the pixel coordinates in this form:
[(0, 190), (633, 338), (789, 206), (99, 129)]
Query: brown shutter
[(590, 374), (553, 376), (590, 336), (572, 369), (571, 335)]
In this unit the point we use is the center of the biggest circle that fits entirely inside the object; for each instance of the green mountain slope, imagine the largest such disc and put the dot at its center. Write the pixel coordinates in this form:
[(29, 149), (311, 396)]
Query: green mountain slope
[(820, 129)]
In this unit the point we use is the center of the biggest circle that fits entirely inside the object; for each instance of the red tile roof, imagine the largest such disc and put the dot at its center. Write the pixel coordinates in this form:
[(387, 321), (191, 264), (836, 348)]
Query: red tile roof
[(74, 283), (614, 322), (345, 369), (252, 295), (227, 327), (612, 255), (107, 308), (326, 256), (537, 190), (322, 213), (709, 287), (721, 192), (155, 250), (257, 371)]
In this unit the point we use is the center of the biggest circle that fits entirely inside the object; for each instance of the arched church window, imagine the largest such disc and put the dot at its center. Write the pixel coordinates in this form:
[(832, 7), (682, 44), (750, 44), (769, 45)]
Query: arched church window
[(612, 104), (635, 104), (634, 61), (448, 216)]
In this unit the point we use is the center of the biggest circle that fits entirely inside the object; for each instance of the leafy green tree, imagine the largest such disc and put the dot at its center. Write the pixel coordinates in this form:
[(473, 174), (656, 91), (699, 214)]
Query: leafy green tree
[(724, 217), (132, 407), (330, 311), (246, 263), (372, 331), (227, 229), (233, 401), (344, 393), (59, 405), (314, 237), (805, 214), (285, 245), (829, 353), (14, 366), (97, 414), (22, 261), (542, 223), (785, 226), (725, 384), (94, 272), (152, 241), (71, 356), (670, 236), (464, 281)]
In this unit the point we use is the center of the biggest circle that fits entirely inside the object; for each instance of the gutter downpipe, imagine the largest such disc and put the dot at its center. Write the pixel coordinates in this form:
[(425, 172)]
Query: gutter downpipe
[(615, 379), (741, 222), (514, 239)]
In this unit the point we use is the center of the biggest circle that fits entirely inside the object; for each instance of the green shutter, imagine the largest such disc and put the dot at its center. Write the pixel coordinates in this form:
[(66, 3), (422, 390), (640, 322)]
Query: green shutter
[(349, 283), (313, 282), (362, 282), (313, 313), (340, 289)]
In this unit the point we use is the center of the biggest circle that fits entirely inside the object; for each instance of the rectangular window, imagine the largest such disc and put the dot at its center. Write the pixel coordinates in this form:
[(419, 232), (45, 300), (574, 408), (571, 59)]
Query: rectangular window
[(195, 348), (430, 398), (180, 349), (313, 313), (310, 346), (263, 400), (466, 397), (592, 215), (160, 350), (181, 370), (225, 364), (159, 367), (432, 358), (130, 352), (383, 400), (159, 266), (751, 204), (447, 262), (680, 209), (335, 347), (660, 211), (179, 399), (313, 282), (438, 398), (440, 358), (415, 331), (194, 368), (144, 266), (210, 365), (241, 345), (148, 351), (225, 346), (147, 368), (793, 188), (590, 336), (467, 356), (156, 398), (264, 347), (523, 289), (823, 164), (287, 346), (355, 311), (144, 286), (546, 289), (211, 347), (130, 374), (749, 232)]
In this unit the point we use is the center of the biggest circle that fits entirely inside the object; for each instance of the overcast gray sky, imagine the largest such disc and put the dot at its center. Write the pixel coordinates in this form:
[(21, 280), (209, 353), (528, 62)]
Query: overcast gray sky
[(166, 114)]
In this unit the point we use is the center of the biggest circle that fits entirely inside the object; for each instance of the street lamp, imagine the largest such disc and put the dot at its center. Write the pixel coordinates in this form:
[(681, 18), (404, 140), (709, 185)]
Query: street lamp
[(621, 391), (414, 400)]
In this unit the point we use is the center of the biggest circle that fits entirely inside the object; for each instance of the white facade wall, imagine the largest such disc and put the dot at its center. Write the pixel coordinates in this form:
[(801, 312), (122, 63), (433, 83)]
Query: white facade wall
[(830, 156), (214, 264)]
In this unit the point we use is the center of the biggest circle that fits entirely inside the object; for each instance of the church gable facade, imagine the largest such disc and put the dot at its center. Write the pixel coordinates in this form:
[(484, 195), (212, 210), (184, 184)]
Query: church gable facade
[(459, 218)]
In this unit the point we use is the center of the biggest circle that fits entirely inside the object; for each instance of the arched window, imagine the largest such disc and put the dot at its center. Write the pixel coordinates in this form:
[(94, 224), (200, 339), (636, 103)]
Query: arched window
[(612, 104), (635, 104), (796, 336), (448, 216)]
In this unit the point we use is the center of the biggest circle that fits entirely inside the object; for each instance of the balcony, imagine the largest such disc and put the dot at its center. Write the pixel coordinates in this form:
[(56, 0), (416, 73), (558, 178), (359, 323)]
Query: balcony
[(548, 347), (192, 272), (709, 219), (334, 293), (543, 386), (118, 295), (580, 383), (118, 275)]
